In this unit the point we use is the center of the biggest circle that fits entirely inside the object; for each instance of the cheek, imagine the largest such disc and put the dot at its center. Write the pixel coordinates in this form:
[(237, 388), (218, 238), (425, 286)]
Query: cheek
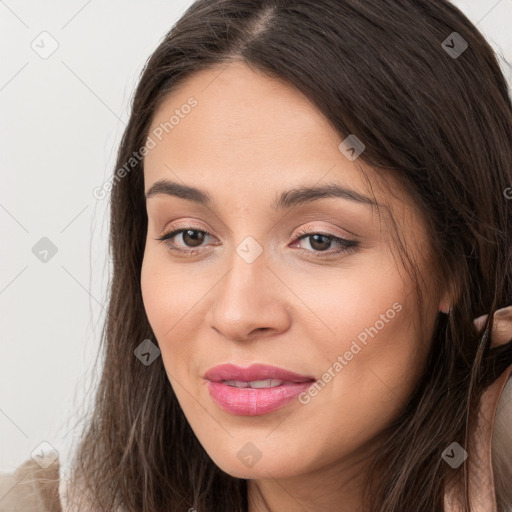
[(171, 300), (168, 293), (366, 342)]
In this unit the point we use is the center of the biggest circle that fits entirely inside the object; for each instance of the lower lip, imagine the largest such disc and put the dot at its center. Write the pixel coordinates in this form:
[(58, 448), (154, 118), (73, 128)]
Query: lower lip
[(254, 401)]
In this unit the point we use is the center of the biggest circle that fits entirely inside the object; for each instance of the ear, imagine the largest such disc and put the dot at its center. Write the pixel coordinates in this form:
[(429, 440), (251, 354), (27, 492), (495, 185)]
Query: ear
[(448, 297), (444, 305)]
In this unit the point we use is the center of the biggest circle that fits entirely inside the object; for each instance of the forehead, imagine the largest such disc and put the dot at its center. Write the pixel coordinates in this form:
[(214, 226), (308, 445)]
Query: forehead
[(245, 129), (237, 100), (238, 132)]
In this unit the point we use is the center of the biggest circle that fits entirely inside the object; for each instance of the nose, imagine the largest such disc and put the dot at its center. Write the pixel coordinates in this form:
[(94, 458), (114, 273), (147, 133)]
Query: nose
[(250, 301)]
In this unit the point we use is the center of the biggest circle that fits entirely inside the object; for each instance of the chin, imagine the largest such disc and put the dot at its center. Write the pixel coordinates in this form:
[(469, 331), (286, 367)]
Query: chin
[(262, 472), (261, 469)]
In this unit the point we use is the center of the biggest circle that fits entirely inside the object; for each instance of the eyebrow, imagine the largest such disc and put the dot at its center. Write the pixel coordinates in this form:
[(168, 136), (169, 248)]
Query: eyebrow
[(287, 199)]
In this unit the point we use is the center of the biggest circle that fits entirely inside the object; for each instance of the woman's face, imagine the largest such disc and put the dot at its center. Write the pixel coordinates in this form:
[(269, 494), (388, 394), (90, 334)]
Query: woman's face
[(242, 285)]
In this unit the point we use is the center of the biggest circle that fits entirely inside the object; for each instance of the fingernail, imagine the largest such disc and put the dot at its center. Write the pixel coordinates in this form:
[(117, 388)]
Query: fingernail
[(503, 312)]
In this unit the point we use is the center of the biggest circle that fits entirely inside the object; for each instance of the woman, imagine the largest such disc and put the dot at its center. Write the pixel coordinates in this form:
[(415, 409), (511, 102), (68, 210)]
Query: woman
[(310, 207)]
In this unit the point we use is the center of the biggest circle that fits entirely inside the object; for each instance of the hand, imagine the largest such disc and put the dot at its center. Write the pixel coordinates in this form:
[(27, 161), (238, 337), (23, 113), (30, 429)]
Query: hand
[(481, 486)]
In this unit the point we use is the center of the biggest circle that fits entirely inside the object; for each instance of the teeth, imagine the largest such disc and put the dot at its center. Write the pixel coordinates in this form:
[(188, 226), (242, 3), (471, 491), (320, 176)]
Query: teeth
[(236, 383), (268, 383)]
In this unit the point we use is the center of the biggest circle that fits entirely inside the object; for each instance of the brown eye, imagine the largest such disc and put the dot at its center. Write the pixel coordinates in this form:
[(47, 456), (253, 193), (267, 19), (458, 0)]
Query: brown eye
[(191, 238), (320, 244)]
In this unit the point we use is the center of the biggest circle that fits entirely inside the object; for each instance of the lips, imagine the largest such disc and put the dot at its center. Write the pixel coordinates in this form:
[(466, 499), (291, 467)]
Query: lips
[(227, 372), (256, 390)]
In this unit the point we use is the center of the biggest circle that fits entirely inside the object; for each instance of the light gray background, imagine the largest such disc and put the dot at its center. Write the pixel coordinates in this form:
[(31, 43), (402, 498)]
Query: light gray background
[(62, 120)]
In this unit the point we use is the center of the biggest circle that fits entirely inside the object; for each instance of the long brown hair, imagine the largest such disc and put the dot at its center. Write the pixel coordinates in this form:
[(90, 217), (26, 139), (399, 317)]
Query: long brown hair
[(441, 123)]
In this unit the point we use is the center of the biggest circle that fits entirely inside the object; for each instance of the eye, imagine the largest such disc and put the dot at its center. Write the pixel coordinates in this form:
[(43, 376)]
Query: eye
[(193, 238), (319, 240), (189, 235)]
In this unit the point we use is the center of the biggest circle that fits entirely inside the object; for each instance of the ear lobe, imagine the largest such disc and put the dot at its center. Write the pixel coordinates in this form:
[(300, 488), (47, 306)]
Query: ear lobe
[(444, 309), (445, 303), (449, 296)]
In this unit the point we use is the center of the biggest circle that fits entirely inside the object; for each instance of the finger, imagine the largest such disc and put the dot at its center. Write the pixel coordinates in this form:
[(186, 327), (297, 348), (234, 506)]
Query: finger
[(480, 321), (502, 332), (502, 329)]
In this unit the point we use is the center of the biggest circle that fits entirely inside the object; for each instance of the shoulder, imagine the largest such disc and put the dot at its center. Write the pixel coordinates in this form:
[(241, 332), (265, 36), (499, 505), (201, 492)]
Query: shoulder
[(31, 487)]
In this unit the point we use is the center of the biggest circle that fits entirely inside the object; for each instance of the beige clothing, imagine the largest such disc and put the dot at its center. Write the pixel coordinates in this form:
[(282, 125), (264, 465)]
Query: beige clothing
[(31, 488)]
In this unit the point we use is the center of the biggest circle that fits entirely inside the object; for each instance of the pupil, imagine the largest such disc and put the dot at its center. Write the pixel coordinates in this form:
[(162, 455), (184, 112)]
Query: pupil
[(196, 240), (315, 239)]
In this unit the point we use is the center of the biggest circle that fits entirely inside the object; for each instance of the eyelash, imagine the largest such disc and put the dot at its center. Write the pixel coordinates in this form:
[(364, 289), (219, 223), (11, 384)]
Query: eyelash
[(347, 246)]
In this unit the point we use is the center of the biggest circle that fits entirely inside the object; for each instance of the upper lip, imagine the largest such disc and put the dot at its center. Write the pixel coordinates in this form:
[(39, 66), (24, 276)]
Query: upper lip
[(254, 372)]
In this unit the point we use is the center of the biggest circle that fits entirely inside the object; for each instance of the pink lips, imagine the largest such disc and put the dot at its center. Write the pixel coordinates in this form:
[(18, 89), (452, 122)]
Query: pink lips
[(254, 401)]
